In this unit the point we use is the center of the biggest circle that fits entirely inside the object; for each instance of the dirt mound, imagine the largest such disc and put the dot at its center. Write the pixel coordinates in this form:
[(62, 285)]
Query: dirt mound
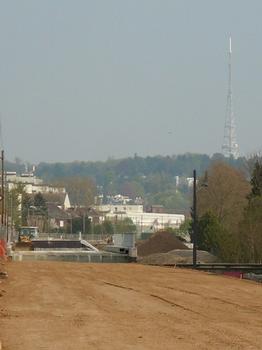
[(160, 242), (177, 256)]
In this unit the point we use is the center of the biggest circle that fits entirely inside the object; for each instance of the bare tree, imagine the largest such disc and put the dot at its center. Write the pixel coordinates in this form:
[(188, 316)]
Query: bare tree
[(81, 190), (225, 196)]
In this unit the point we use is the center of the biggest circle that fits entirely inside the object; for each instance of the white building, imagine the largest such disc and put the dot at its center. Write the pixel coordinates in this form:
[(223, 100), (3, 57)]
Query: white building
[(119, 208), (32, 184), (143, 221), (157, 221)]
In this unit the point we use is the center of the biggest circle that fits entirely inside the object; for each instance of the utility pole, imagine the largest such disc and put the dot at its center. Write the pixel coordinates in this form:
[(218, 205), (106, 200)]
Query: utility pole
[(194, 238), (2, 189), (10, 236), (84, 223)]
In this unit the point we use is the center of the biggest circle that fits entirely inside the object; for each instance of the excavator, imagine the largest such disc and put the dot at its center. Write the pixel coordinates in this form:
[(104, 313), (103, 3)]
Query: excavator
[(27, 233), (25, 236)]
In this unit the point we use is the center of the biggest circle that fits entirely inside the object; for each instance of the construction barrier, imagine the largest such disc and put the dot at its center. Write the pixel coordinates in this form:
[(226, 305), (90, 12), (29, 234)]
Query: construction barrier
[(2, 248), (236, 274)]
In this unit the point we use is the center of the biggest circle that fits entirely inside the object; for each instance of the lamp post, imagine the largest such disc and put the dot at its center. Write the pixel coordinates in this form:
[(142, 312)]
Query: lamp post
[(194, 216), (194, 236)]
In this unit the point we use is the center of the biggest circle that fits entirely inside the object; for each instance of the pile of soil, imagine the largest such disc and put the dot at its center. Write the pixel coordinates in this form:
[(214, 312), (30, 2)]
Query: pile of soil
[(160, 242), (177, 256)]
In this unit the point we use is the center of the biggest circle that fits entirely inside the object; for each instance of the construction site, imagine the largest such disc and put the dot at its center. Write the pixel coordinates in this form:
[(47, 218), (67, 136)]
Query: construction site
[(71, 303), (129, 220), (61, 305)]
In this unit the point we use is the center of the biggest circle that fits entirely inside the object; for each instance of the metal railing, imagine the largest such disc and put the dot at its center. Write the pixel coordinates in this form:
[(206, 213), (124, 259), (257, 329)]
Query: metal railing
[(87, 237)]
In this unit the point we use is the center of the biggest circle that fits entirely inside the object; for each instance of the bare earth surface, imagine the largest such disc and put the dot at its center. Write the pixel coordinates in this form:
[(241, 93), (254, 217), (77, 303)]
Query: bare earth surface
[(62, 306)]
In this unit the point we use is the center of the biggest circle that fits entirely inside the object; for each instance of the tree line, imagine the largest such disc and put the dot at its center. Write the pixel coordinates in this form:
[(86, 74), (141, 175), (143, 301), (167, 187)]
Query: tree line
[(132, 168), (151, 178), (229, 197), (230, 213)]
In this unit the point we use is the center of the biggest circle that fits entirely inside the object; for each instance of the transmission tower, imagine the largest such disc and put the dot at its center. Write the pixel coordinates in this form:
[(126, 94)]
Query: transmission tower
[(230, 146)]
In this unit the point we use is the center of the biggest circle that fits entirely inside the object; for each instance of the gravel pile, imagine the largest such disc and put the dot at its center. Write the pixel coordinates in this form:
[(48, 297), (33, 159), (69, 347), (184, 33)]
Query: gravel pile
[(177, 256), (160, 242)]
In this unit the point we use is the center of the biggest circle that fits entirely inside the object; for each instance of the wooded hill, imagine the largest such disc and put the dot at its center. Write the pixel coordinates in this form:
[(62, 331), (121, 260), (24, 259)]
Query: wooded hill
[(134, 167), (152, 178)]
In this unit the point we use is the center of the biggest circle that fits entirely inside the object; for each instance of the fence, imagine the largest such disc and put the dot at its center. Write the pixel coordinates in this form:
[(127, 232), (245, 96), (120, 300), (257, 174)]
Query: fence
[(87, 237), (90, 236)]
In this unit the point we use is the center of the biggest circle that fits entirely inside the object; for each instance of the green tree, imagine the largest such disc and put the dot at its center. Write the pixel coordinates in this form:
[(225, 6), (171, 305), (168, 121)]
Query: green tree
[(26, 204), (13, 205), (108, 227), (171, 199), (251, 232), (125, 226), (221, 206), (98, 229), (209, 230), (38, 213), (132, 189), (225, 196), (256, 180), (80, 223), (214, 238), (105, 228), (40, 204), (251, 226), (184, 230)]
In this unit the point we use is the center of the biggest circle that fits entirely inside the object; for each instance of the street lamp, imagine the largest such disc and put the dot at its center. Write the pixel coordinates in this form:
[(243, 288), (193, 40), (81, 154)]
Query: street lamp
[(195, 225), (194, 236)]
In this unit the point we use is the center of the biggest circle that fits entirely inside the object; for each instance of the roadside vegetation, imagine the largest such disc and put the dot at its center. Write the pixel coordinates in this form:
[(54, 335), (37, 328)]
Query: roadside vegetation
[(230, 213)]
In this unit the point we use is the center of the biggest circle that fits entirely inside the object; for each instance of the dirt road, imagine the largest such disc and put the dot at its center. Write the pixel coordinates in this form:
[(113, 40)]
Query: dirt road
[(64, 306)]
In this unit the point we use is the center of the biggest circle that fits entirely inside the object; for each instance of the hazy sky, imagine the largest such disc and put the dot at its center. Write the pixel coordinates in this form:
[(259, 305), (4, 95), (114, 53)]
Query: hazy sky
[(88, 80)]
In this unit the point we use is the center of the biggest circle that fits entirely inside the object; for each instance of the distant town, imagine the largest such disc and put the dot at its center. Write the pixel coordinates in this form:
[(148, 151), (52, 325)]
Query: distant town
[(56, 212)]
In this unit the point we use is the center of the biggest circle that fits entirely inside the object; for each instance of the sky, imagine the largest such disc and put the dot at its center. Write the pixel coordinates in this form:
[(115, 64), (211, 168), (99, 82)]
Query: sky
[(93, 79)]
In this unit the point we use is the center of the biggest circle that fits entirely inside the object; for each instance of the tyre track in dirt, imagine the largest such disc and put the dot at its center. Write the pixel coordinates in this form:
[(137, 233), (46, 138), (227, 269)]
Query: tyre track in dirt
[(64, 306)]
